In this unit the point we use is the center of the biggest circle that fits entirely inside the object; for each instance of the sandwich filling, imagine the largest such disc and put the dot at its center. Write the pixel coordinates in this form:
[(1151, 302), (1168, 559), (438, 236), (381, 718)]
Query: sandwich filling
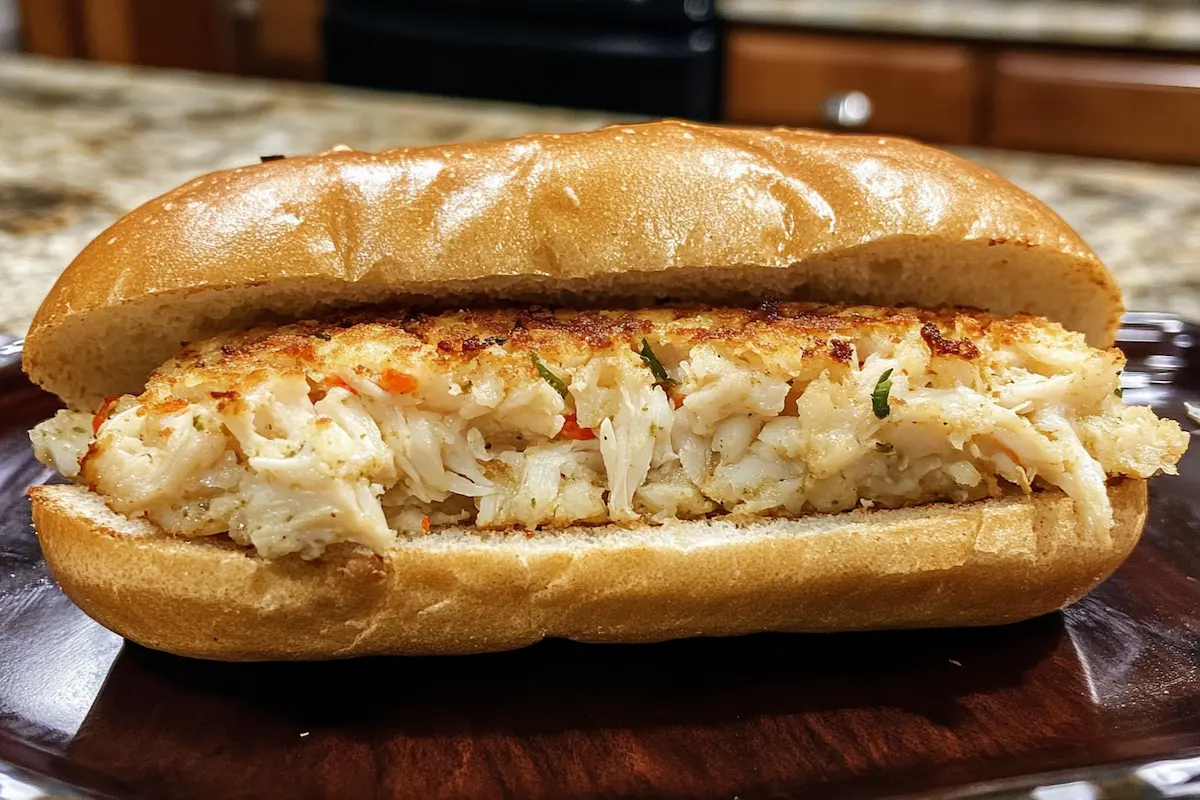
[(292, 439)]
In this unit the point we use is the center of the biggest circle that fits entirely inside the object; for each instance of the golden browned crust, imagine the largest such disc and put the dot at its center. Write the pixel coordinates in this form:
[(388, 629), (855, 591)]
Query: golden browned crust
[(985, 563), (816, 330), (822, 334), (629, 215)]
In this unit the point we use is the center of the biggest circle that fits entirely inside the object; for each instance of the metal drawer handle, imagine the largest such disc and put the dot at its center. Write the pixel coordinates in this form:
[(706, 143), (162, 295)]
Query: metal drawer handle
[(847, 110)]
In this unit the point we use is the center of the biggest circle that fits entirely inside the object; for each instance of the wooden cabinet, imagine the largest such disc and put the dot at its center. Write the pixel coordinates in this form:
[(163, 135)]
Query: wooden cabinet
[(51, 28), (289, 38), (182, 33), (1128, 107), (921, 89), (1117, 104), (268, 37)]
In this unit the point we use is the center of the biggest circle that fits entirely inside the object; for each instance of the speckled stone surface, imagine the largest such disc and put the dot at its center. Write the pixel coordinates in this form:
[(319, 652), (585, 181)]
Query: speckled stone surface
[(81, 144), (1152, 24)]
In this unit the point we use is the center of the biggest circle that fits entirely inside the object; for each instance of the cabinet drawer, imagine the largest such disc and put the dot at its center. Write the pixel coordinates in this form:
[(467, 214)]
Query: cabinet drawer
[(1126, 107), (919, 89)]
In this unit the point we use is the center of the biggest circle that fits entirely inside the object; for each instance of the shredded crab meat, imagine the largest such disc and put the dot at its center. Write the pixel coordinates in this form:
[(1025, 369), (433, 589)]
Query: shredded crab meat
[(370, 431)]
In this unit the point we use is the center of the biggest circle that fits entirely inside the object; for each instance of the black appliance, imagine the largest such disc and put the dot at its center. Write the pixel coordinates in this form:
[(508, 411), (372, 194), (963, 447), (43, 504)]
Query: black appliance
[(644, 57)]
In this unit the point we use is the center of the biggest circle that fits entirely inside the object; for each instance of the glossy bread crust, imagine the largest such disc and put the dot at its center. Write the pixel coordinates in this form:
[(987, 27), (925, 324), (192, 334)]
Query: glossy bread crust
[(626, 215), (454, 591)]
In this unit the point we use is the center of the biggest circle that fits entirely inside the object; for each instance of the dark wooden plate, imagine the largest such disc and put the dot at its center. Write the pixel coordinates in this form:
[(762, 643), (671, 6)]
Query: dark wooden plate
[(1103, 691)]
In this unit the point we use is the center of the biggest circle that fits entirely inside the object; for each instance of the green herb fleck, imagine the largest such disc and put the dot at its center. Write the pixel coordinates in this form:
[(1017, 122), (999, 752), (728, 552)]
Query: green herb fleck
[(78, 429), (555, 382), (656, 368), (879, 397), (533, 502), (1119, 392), (884, 447), (323, 335), (197, 423)]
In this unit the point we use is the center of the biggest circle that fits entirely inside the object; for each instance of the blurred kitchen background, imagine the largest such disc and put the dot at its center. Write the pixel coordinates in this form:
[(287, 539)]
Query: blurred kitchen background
[(1094, 105)]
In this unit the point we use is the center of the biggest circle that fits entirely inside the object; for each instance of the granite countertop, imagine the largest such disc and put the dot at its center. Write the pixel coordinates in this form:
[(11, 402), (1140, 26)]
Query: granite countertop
[(1149, 24), (82, 143)]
